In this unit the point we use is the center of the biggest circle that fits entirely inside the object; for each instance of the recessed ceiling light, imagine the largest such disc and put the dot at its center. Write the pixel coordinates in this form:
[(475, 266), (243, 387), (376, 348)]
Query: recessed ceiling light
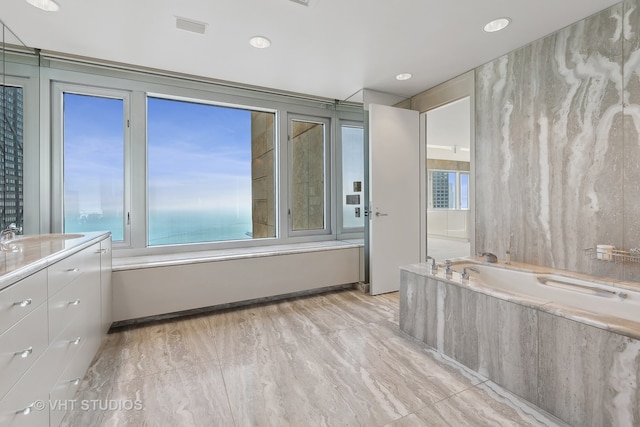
[(48, 5), (404, 76), (497, 25), (259, 42)]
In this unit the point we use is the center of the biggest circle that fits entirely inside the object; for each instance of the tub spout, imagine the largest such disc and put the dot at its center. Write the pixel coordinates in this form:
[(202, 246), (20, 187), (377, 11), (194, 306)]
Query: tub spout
[(490, 258)]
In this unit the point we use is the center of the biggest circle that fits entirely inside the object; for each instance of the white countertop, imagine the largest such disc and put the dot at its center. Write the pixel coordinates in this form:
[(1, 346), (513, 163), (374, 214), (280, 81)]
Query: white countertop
[(30, 254)]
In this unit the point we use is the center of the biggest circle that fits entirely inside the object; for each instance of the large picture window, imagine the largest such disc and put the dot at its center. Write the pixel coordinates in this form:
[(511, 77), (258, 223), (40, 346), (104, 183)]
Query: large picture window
[(210, 173)]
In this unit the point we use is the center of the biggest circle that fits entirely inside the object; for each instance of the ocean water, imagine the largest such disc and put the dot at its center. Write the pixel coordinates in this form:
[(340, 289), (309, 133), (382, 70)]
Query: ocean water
[(172, 228)]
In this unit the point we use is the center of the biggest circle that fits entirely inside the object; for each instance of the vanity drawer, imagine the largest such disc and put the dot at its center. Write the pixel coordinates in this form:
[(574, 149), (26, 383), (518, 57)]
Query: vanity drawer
[(66, 305), (68, 270), (21, 346), (26, 404), (67, 386), (22, 298)]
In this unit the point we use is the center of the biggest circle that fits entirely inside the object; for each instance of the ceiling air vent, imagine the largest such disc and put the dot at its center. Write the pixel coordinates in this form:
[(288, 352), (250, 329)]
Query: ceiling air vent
[(190, 25), (302, 2)]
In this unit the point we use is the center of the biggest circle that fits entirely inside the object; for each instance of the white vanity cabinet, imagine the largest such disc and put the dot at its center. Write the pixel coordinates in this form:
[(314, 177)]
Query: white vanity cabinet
[(51, 326)]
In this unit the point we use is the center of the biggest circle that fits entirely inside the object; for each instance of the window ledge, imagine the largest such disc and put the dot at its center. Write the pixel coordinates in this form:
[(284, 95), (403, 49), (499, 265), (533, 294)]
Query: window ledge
[(185, 258)]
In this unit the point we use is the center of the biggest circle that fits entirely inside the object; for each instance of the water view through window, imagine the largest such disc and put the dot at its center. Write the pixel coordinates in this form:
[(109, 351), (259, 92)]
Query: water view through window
[(202, 170), (93, 164)]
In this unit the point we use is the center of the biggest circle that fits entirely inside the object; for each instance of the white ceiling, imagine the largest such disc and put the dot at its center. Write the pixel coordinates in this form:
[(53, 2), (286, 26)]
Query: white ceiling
[(331, 48)]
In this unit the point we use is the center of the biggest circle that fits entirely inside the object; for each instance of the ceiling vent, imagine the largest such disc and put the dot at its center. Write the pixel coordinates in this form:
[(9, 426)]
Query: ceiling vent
[(302, 2), (190, 25)]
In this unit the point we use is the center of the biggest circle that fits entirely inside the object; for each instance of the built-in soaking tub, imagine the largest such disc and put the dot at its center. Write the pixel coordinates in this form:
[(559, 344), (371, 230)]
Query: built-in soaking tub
[(568, 343)]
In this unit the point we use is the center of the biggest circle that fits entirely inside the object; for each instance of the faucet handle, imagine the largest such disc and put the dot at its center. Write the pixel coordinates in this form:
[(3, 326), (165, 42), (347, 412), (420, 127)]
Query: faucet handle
[(465, 272)]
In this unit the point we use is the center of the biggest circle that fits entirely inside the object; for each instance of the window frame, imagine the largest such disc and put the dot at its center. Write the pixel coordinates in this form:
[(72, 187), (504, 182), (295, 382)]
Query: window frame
[(340, 178), (327, 168), (57, 167), (458, 187), (213, 103)]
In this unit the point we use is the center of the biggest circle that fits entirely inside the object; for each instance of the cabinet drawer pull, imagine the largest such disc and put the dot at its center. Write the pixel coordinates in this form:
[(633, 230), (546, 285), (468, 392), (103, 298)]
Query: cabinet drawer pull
[(75, 381), (26, 411), (76, 341), (73, 270), (74, 302), (24, 353), (24, 302)]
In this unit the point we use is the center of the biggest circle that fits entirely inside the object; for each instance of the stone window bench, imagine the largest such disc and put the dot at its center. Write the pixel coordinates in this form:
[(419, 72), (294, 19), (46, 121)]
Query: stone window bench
[(155, 286)]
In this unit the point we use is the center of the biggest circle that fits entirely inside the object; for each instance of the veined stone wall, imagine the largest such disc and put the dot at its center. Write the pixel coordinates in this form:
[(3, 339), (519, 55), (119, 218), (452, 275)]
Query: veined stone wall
[(263, 175), (557, 146)]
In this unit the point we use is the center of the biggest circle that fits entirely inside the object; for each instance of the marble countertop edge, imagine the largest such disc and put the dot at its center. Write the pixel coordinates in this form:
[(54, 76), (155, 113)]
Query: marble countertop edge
[(13, 276)]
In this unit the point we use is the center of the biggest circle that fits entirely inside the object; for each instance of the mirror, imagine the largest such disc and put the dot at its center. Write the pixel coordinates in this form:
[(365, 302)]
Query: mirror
[(448, 142), (13, 130)]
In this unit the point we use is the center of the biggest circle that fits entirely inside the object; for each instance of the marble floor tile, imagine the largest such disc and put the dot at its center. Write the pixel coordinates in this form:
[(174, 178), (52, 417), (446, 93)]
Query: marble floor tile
[(485, 405), (390, 357), (326, 360), (191, 396)]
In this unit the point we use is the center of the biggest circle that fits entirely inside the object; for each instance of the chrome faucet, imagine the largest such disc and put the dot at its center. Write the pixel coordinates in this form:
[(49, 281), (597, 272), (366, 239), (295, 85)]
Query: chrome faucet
[(490, 258), (431, 262), (465, 272), (448, 269), (9, 233)]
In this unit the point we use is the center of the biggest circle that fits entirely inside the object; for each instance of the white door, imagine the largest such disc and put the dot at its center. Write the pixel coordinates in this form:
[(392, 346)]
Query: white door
[(394, 194)]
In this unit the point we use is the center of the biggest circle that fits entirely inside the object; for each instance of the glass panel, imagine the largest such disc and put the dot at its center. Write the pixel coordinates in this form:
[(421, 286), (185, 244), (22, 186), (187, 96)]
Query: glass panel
[(443, 187), (307, 180), (211, 173), (464, 191), (11, 150), (93, 164), (352, 176)]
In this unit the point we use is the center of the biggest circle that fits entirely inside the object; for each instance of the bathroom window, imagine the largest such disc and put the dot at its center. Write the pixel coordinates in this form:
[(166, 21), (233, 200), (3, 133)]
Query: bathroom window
[(93, 144), (308, 183), (352, 145), (449, 190), (210, 173)]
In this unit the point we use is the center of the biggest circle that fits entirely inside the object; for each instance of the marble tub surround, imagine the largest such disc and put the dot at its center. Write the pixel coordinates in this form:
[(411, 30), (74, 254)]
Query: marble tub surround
[(586, 371), (557, 153), (33, 253), (331, 359)]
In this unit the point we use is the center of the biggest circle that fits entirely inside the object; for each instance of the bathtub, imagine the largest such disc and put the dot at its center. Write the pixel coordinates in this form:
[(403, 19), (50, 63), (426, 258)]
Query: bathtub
[(568, 343), (575, 293)]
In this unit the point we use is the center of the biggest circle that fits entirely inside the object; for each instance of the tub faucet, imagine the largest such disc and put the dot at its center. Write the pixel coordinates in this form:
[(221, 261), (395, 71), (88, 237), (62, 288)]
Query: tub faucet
[(431, 262), (490, 258), (9, 233), (465, 272), (447, 267)]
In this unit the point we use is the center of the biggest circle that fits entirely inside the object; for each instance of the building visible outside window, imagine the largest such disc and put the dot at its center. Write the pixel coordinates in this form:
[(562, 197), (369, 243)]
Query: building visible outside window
[(449, 190), (11, 152)]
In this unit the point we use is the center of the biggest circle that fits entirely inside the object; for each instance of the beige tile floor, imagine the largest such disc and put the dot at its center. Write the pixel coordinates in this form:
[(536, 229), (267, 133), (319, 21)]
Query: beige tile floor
[(334, 359)]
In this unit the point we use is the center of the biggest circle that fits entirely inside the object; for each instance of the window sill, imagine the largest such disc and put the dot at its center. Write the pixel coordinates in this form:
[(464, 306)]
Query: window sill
[(185, 258)]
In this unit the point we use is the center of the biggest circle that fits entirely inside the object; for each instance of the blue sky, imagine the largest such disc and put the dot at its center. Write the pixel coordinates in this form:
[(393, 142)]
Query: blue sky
[(199, 156)]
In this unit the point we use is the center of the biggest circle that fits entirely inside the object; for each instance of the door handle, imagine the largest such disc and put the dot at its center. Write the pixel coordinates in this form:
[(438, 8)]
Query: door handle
[(381, 214)]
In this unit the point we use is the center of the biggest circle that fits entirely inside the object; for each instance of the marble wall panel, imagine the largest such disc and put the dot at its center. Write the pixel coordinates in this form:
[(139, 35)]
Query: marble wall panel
[(508, 345), (631, 51), (418, 299), (549, 147), (457, 324), (588, 376)]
